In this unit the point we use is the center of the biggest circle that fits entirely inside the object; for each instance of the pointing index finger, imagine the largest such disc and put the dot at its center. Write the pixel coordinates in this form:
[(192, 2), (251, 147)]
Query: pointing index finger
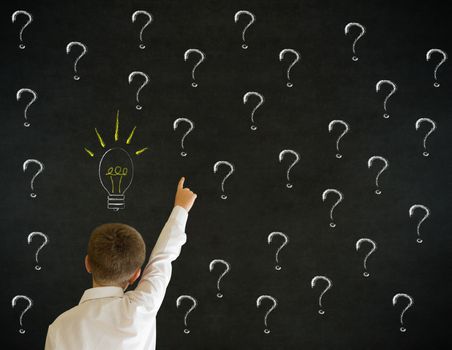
[(181, 183)]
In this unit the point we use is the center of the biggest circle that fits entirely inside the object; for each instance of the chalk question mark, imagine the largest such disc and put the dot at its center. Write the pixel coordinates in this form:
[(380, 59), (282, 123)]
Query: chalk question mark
[(426, 215), (145, 82), (215, 169), (192, 126), (201, 58), (178, 303), (286, 240), (236, 19), (30, 304), (370, 161), (84, 51), (418, 124), (40, 170), (297, 159), (394, 89), (429, 55), (340, 199), (34, 98), (330, 284), (410, 303), (297, 58), (245, 100), (347, 30), (374, 247), (226, 270), (46, 240), (346, 130), (134, 17), (258, 304), (30, 19)]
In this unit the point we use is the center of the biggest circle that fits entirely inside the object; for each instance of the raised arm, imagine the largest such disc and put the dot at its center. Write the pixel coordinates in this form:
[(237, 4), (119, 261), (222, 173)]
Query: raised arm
[(156, 275)]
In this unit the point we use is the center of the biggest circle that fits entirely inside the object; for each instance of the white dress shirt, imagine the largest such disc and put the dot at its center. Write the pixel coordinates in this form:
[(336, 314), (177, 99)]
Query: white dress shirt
[(109, 319)]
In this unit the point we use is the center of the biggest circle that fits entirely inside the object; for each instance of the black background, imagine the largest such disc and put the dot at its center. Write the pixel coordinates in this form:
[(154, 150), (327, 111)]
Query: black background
[(327, 85)]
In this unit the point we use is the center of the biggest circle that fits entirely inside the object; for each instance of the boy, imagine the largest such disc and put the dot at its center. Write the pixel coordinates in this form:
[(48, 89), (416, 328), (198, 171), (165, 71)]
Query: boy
[(107, 318)]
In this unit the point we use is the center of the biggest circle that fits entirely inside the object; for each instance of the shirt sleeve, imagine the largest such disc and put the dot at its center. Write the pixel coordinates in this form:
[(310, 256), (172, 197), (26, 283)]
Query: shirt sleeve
[(155, 278), (50, 344)]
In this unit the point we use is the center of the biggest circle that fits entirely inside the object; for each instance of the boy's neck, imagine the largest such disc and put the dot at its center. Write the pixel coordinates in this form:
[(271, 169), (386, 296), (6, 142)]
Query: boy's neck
[(95, 285)]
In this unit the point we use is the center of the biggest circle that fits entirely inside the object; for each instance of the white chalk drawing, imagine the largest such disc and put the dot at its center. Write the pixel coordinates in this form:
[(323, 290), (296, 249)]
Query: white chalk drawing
[(215, 169), (297, 58), (40, 170), (116, 179), (429, 55), (426, 215), (34, 98), (410, 303), (394, 89), (374, 247), (330, 284), (194, 302), (84, 51), (45, 241), (149, 20), (339, 199), (145, 82), (252, 20), (363, 31), (258, 304), (245, 100), (30, 304), (226, 270), (192, 126), (346, 130), (433, 127), (370, 161), (29, 20), (116, 168), (282, 154), (202, 57), (283, 244)]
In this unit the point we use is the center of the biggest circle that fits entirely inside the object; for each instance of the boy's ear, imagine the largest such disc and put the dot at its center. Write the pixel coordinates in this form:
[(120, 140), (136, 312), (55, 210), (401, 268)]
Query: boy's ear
[(135, 276), (87, 265)]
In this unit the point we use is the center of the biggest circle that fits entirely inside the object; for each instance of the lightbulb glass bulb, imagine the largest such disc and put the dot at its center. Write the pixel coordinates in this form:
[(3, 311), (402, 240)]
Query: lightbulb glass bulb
[(116, 175)]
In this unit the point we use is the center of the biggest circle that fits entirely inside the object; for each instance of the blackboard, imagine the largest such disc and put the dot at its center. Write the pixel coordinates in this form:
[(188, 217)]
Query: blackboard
[(327, 85)]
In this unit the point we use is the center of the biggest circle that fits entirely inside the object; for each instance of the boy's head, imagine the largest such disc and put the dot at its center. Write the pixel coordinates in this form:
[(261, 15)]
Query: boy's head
[(116, 253)]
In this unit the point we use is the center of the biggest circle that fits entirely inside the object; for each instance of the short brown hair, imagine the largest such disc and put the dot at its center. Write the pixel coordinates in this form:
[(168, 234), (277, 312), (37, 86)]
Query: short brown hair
[(115, 251)]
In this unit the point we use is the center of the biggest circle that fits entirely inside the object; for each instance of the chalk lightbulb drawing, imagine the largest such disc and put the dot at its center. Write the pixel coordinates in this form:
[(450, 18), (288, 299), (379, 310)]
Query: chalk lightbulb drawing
[(116, 169)]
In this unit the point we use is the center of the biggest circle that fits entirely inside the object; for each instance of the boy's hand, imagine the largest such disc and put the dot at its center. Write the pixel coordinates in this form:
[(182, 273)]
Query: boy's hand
[(184, 197)]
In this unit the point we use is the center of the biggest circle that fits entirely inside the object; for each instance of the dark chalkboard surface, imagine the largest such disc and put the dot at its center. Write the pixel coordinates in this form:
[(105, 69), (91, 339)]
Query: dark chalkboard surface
[(69, 118)]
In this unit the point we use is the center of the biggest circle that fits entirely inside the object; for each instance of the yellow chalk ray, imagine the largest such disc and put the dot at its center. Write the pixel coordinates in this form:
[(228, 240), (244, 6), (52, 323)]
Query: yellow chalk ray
[(89, 152), (141, 151), (117, 126), (131, 135), (102, 143)]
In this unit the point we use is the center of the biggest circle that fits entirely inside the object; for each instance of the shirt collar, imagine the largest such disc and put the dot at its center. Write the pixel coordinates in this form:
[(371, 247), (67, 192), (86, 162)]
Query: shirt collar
[(101, 292)]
